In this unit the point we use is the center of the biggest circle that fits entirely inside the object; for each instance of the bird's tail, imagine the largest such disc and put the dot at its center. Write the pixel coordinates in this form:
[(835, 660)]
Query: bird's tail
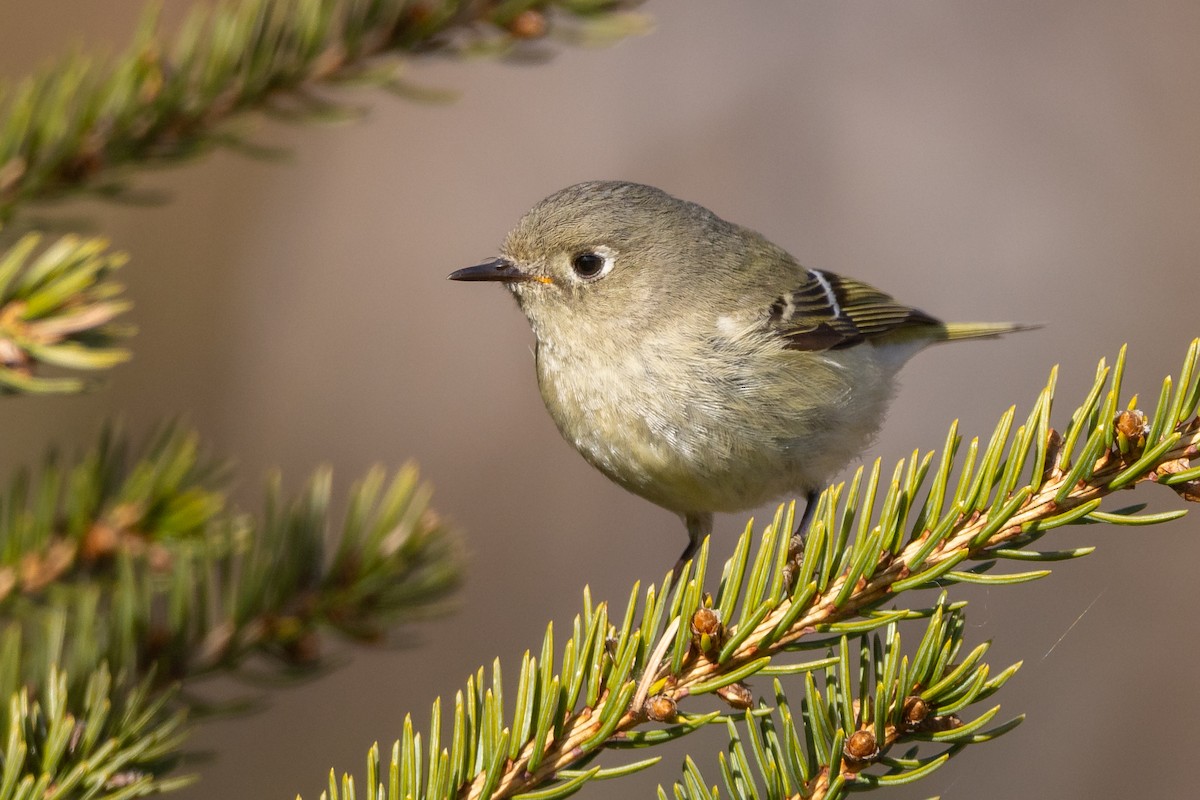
[(981, 330)]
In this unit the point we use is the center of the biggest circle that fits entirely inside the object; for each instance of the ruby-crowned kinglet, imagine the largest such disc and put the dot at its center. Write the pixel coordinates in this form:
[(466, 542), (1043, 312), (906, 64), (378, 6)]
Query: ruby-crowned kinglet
[(692, 361)]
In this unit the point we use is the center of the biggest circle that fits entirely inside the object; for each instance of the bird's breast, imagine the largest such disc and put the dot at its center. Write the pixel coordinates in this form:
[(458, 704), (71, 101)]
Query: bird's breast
[(710, 421)]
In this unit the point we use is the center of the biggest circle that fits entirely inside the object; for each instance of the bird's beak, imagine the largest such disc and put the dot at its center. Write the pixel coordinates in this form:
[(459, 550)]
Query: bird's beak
[(498, 269)]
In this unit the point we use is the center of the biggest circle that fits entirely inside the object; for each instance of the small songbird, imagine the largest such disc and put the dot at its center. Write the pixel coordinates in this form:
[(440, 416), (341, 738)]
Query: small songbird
[(694, 362)]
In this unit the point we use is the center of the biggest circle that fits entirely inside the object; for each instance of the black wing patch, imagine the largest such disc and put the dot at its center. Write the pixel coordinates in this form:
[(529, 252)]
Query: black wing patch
[(828, 312)]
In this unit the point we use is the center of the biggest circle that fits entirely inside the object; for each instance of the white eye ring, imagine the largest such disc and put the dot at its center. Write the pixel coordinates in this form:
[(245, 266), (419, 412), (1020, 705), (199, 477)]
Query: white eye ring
[(594, 263)]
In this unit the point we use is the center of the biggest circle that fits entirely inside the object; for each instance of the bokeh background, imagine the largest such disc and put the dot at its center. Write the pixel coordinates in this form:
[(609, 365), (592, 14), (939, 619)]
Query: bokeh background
[(997, 159)]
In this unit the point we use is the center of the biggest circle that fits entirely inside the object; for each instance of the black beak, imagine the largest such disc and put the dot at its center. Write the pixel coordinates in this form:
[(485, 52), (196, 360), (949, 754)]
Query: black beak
[(498, 269)]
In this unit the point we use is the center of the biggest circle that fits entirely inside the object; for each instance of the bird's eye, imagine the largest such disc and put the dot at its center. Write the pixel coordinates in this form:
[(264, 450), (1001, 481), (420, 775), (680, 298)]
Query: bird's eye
[(593, 264), (588, 265)]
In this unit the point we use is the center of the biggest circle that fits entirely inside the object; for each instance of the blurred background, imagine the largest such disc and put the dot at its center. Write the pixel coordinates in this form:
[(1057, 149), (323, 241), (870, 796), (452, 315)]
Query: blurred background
[(995, 160)]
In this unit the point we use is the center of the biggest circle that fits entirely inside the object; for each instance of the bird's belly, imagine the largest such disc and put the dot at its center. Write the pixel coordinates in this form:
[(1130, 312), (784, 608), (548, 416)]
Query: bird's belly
[(694, 464), (697, 447)]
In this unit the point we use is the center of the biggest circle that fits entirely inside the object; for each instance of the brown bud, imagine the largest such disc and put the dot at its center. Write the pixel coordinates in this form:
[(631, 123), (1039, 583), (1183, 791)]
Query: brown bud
[(915, 712), (1131, 427), (99, 542), (708, 633), (661, 708), (861, 748), (529, 24), (737, 695), (706, 622), (1132, 423)]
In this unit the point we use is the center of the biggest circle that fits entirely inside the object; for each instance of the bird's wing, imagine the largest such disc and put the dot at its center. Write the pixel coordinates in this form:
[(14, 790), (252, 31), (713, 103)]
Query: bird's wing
[(828, 311)]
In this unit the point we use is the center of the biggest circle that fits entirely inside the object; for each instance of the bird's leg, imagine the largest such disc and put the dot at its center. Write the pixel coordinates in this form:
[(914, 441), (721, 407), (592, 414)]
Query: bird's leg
[(796, 545), (698, 526)]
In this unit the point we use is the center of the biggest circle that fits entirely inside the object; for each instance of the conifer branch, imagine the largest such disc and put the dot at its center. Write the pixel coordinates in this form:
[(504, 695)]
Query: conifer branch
[(108, 743), (57, 309), (892, 700), (79, 125), (74, 126), (150, 573), (121, 574), (859, 555)]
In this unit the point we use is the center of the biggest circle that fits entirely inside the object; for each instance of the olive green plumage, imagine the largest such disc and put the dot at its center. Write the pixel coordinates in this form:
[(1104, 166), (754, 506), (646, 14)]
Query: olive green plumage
[(694, 362)]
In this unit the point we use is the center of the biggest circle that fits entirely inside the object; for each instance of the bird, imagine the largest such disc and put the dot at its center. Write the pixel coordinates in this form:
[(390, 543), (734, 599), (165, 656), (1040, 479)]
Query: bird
[(695, 363)]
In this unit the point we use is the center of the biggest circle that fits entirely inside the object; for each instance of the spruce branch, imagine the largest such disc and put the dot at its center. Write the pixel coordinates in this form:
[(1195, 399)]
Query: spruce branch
[(149, 572), (80, 124), (868, 544), (57, 309), (90, 735), (74, 126), (894, 700), (123, 573), (104, 743)]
